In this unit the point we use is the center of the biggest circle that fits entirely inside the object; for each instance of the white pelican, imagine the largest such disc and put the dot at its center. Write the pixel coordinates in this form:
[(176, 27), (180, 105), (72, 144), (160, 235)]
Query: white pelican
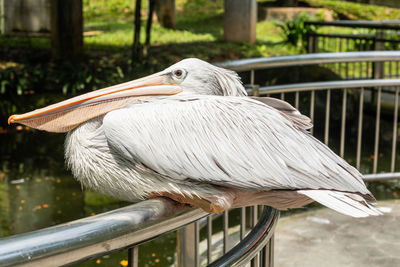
[(189, 133)]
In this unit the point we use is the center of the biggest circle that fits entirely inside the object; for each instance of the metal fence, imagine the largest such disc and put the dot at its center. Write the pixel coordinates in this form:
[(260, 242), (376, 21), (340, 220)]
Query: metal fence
[(317, 67), (126, 228), (356, 36), (358, 118)]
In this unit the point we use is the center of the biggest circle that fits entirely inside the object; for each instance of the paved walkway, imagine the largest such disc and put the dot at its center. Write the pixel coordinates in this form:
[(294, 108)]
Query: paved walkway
[(324, 238)]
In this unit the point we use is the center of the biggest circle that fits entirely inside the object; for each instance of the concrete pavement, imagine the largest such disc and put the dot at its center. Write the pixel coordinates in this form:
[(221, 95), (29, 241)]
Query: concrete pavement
[(323, 237)]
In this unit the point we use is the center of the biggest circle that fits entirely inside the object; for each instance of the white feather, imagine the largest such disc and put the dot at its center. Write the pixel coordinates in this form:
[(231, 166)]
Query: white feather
[(346, 203)]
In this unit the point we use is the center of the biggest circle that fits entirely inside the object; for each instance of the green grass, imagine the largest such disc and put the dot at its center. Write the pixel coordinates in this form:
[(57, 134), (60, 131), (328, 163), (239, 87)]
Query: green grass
[(356, 11), (199, 23), (198, 31)]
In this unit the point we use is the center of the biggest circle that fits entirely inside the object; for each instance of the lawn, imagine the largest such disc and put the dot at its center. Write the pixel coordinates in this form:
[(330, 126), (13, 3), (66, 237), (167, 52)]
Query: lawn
[(357, 11)]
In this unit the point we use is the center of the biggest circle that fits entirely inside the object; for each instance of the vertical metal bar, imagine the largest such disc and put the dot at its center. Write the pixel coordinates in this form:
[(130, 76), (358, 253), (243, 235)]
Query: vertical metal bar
[(347, 64), (256, 90), (310, 42), (282, 96), (255, 215), (343, 128), (252, 77), (188, 253), (361, 70), (340, 64), (378, 120), (264, 255), (197, 243), (209, 239), (133, 256), (360, 122), (337, 45), (327, 111), (352, 67), (396, 110), (242, 223), (271, 251), (390, 68), (256, 260), (296, 101), (312, 109), (226, 234)]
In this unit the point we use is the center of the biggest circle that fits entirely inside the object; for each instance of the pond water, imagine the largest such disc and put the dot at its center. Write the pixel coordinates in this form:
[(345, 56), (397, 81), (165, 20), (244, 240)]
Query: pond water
[(36, 190)]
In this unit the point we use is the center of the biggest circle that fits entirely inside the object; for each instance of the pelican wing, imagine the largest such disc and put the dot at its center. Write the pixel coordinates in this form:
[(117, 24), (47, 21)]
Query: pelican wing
[(229, 141), (300, 121)]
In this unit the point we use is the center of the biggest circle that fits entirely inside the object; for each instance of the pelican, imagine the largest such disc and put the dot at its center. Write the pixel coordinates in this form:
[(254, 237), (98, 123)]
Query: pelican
[(191, 134)]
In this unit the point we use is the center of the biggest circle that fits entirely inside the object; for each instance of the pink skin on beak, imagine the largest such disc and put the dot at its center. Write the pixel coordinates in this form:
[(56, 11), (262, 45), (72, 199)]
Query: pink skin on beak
[(147, 86)]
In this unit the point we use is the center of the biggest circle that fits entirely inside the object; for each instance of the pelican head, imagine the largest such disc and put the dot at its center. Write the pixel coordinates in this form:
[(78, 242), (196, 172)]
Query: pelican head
[(189, 76), (196, 76)]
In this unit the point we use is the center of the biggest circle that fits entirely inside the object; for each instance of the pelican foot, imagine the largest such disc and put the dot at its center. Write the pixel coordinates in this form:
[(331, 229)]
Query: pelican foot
[(193, 201)]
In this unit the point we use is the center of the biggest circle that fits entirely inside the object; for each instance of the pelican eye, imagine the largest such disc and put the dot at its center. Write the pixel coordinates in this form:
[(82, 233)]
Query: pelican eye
[(178, 73)]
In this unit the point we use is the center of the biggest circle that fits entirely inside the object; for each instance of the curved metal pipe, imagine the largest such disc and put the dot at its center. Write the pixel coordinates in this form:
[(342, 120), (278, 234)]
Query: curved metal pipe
[(98, 235), (252, 243), (384, 24), (309, 59), (381, 176), (298, 87)]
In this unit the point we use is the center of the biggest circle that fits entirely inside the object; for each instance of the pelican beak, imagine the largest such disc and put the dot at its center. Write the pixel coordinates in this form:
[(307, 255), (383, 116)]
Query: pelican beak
[(68, 114)]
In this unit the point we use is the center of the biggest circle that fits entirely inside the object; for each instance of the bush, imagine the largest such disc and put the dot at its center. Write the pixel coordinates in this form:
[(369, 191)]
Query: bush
[(296, 31)]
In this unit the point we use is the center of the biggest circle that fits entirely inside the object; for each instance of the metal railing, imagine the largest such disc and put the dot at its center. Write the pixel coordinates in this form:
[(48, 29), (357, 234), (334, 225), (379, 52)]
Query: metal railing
[(359, 102), (373, 35), (375, 89), (127, 228), (339, 66), (342, 112)]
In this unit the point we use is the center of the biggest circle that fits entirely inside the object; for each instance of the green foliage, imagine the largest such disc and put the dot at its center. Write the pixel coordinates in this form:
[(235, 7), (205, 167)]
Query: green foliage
[(24, 87), (357, 11), (296, 31)]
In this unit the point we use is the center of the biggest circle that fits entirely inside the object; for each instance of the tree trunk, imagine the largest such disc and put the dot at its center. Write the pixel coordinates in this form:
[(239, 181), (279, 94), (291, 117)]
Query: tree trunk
[(150, 21), (165, 10), (66, 29), (136, 48), (148, 27)]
